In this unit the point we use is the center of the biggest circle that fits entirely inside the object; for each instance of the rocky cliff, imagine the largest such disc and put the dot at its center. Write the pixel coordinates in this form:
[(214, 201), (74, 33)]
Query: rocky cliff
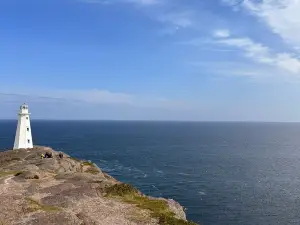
[(35, 190)]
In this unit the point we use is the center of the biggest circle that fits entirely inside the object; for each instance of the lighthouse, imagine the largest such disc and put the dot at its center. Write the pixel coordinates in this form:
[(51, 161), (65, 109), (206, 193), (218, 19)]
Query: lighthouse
[(23, 137)]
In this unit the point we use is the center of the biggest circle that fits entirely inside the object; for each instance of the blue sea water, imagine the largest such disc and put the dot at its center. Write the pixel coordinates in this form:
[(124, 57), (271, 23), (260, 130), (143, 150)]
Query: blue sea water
[(224, 173)]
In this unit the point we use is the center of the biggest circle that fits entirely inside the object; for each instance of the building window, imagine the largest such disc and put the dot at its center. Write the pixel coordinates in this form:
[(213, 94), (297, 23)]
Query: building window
[(26, 117), (28, 141), (27, 128)]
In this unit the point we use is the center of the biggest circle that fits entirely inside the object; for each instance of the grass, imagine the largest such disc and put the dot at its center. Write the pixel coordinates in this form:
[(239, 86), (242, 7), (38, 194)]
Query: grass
[(35, 205), (91, 167), (159, 208), (5, 173), (8, 173), (86, 163)]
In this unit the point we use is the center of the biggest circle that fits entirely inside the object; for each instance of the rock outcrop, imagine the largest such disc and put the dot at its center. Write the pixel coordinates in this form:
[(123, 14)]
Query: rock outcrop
[(36, 190)]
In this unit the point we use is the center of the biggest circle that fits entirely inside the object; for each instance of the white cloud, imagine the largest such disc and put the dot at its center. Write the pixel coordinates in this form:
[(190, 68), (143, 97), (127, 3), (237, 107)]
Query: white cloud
[(237, 69), (221, 33), (264, 55), (282, 16)]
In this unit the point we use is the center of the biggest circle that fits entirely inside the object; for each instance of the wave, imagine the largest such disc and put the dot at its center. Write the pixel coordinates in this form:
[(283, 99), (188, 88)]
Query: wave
[(158, 171), (201, 193), (184, 174), (155, 187)]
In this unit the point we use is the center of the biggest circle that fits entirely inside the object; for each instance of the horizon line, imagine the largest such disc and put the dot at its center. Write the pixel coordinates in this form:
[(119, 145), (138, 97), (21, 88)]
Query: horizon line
[(141, 120)]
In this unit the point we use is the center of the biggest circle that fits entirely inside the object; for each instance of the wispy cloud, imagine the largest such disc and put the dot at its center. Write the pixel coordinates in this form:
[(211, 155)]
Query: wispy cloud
[(236, 69), (96, 96), (264, 55), (281, 16), (222, 33)]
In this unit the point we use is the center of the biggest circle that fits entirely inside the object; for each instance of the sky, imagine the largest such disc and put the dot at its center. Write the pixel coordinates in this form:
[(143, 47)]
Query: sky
[(202, 60)]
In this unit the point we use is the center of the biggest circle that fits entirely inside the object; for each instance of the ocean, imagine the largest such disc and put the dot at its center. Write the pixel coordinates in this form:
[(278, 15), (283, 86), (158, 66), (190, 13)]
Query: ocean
[(223, 173)]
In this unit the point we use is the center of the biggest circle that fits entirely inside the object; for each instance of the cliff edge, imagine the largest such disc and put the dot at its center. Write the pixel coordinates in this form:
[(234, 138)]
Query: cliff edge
[(36, 190)]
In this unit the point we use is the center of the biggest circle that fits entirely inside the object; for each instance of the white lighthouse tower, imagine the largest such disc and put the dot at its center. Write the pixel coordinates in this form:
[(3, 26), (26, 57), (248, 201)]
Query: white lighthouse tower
[(23, 137)]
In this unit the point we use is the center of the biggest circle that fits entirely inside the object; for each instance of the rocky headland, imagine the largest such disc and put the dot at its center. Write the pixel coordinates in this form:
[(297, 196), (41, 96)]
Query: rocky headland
[(68, 191)]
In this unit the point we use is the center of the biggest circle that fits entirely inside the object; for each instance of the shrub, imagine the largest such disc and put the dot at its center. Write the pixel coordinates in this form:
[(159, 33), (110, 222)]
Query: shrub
[(87, 163), (121, 190), (18, 173)]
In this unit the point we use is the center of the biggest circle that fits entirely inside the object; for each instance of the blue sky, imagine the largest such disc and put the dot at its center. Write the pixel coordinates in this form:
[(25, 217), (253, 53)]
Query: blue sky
[(207, 60)]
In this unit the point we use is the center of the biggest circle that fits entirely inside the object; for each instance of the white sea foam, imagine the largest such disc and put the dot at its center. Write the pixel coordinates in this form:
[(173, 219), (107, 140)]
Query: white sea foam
[(184, 174), (201, 193)]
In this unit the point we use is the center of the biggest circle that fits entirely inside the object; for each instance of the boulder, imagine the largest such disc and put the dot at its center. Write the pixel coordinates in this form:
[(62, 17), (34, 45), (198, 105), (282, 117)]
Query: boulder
[(28, 175)]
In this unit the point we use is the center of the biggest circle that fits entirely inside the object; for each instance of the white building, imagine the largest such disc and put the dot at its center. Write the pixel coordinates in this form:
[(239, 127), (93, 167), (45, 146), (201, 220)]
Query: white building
[(23, 137)]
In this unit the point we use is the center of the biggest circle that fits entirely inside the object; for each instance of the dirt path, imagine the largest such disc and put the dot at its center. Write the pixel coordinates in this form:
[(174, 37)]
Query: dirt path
[(6, 181), (5, 185)]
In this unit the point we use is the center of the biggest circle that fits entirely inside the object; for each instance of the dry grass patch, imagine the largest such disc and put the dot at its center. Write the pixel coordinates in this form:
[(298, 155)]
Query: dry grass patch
[(159, 209), (91, 168), (35, 205), (87, 163), (8, 173)]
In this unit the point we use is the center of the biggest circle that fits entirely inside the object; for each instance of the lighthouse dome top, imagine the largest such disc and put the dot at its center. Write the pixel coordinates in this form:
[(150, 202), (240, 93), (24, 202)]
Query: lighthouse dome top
[(24, 109), (24, 106)]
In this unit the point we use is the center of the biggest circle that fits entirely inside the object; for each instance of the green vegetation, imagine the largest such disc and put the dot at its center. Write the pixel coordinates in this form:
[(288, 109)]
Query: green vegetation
[(159, 208), (35, 205), (8, 173), (86, 163), (121, 190), (91, 167)]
